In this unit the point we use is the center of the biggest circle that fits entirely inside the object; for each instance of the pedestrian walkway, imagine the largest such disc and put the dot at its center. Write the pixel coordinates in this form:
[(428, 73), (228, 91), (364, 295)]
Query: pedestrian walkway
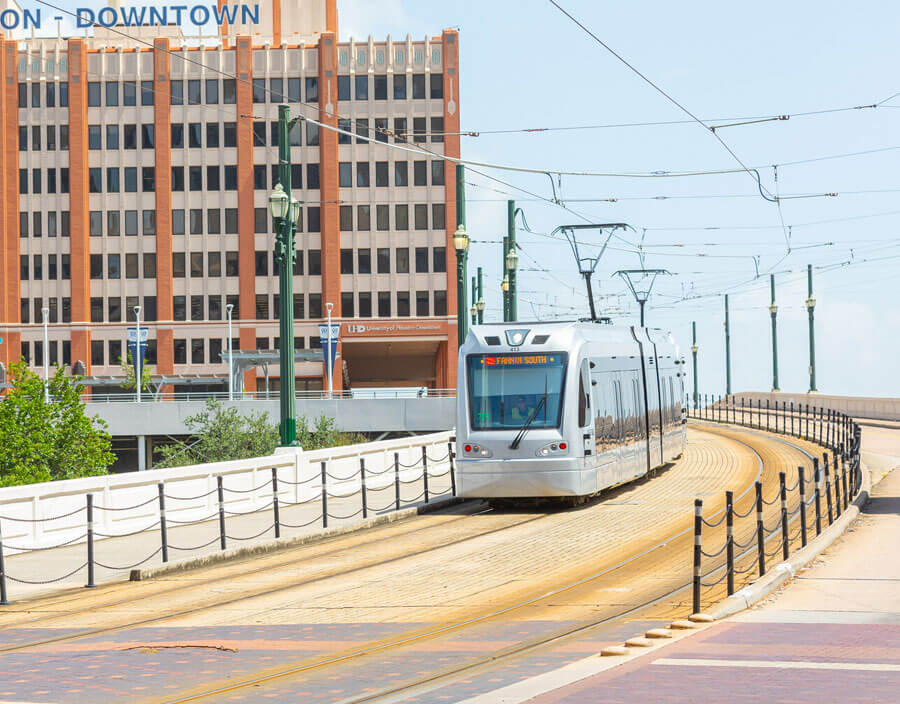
[(832, 634)]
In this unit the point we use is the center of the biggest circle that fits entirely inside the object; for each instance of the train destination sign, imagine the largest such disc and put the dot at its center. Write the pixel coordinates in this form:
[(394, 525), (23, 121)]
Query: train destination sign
[(139, 16), (522, 360)]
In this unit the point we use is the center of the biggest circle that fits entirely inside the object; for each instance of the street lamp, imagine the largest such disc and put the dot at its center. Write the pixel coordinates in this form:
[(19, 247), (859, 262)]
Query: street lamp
[(228, 308), (461, 245), (45, 314), (473, 311), (810, 307), (479, 306), (138, 356), (694, 350), (278, 202), (504, 285), (773, 311), (328, 307), (512, 263)]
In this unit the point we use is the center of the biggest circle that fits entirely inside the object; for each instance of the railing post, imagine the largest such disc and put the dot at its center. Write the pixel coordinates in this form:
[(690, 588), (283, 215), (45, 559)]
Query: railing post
[(362, 486), (767, 415), (275, 510), (760, 531), (221, 495), (806, 416), (838, 503), (742, 411), (163, 531), (4, 600), (425, 472), (729, 537), (785, 550), (802, 482), (844, 478), (90, 540), (397, 478), (817, 476), (792, 419), (827, 486), (698, 546), (450, 456), (324, 495)]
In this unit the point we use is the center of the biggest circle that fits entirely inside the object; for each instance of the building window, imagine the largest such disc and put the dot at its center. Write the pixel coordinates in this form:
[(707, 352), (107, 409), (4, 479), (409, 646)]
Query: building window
[(313, 219), (129, 93), (421, 260), (215, 350), (312, 90), (346, 261), (131, 179), (113, 311), (147, 136), (113, 266), (196, 265), (315, 310), (177, 132), (195, 135), (343, 87), (312, 177), (94, 137), (148, 179), (97, 350), (399, 86), (440, 303), (194, 92), (96, 310), (259, 134), (197, 351), (365, 305), (176, 92), (112, 94), (346, 214), (402, 259), (262, 306), (437, 129), (437, 86), (131, 223), (437, 173), (214, 264), (422, 303), (179, 308), (420, 173), (230, 178), (293, 90), (437, 216), (95, 223), (403, 304), (418, 86), (260, 182), (259, 90), (420, 131), (195, 178), (312, 135), (93, 94), (314, 262), (196, 221), (214, 308), (131, 266), (229, 130), (401, 173), (178, 177), (401, 217), (214, 221), (361, 85), (178, 265), (212, 135), (229, 91), (52, 269), (362, 174), (400, 129), (146, 92), (179, 351), (384, 304), (149, 259), (196, 308), (363, 218), (380, 86), (439, 260), (421, 215), (381, 126), (345, 174), (260, 220), (213, 182), (383, 259), (382, 217), (148, 222), (129, 136), (347, 305)]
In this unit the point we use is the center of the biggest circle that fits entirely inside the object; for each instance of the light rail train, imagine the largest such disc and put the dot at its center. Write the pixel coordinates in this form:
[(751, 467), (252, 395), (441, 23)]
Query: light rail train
[(565, 409)]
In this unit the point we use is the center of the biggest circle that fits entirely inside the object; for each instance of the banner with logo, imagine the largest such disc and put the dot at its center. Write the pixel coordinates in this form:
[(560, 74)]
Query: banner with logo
[(323, 340), (138, 349)]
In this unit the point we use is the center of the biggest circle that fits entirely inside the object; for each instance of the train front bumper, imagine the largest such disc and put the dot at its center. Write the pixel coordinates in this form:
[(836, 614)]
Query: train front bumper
[(521, 478)]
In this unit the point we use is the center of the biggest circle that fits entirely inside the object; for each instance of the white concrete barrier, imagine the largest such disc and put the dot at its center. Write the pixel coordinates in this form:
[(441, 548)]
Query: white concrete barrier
[(54, 513), (855, 406)]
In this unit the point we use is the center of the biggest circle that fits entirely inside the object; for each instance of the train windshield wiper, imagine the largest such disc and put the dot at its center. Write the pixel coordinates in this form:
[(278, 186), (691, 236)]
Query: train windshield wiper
[(514, 445)]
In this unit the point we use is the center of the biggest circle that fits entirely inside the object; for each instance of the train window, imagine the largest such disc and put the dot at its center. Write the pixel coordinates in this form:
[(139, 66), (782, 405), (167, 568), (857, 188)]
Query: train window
[(583, 398)]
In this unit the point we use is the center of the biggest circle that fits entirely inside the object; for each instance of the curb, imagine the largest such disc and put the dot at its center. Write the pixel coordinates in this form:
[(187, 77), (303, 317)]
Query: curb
[(190, 563), (785, 571)]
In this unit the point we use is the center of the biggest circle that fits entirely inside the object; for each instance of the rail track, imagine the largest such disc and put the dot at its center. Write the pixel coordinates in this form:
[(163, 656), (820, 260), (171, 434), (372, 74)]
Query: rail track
[(571, 592)]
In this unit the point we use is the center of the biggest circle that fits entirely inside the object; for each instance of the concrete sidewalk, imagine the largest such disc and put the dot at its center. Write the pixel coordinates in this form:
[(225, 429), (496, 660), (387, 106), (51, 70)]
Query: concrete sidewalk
[(830, 635)]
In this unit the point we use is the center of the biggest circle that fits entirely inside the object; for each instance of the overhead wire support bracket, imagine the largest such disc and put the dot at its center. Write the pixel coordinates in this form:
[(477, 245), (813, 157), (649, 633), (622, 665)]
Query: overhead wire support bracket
[(588, 264)]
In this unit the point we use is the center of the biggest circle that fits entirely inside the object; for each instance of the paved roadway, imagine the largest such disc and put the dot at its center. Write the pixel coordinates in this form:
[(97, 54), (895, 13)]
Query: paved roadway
[(362, 614), (831, 635)]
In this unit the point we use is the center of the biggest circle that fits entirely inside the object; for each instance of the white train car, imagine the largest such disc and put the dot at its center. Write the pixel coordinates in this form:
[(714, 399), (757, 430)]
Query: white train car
[(565, 409)]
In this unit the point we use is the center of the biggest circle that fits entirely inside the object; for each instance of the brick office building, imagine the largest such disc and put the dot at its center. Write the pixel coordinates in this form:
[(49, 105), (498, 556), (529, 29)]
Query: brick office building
[(137, 163)]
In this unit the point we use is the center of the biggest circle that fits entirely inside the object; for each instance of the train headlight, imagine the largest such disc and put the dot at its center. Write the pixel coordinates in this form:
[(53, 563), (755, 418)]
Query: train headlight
[(554, 449), (473, 450)]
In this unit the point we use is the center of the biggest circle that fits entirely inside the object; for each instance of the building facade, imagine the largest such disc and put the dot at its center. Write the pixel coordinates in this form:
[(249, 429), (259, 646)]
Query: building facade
[(137, 164)]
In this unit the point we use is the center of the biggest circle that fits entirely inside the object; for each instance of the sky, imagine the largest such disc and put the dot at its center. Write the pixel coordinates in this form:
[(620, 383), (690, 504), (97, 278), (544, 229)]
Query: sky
[(525, 65)]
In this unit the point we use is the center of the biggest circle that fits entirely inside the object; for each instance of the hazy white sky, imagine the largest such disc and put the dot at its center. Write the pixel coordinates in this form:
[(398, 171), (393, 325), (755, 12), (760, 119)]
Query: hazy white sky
[(524, 65)]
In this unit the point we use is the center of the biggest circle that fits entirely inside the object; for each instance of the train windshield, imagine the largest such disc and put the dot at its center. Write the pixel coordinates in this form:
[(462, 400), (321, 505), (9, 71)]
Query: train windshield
[(504, 390)]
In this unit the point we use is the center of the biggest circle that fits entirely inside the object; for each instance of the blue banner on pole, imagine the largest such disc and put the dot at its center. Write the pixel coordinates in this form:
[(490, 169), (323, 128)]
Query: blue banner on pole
[(323, 340), (138, 351)]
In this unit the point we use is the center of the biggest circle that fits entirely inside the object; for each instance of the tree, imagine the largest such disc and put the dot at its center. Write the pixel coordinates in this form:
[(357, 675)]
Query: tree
[(128, 370), (221, 434), (44, 441)]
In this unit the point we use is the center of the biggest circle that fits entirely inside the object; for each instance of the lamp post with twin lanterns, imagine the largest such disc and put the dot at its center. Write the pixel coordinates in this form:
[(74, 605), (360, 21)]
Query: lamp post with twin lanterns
[(512, 263), (480, 302), (461, 245), (285, 212)]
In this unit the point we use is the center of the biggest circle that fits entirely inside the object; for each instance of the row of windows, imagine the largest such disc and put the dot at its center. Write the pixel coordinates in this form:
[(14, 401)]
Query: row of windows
[(54, 349), (54, 94), (401, 173), (363, 260), (379, 87), (60, 309), (213, 91), (401, 217), (57, 223), (57, 267), (50, 144)]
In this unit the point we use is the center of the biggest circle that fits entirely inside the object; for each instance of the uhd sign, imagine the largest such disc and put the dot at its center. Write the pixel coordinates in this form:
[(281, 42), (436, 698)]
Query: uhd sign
[(152, 16)]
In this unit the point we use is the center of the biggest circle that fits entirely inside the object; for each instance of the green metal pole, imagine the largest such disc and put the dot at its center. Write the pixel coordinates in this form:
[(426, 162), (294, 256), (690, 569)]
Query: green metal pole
[(461, 307), (694, 349), (727, 350), (285, 255), (511, 234), (773, 310), (480, 296), (506, 317), (473, 310), (810, 306)]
